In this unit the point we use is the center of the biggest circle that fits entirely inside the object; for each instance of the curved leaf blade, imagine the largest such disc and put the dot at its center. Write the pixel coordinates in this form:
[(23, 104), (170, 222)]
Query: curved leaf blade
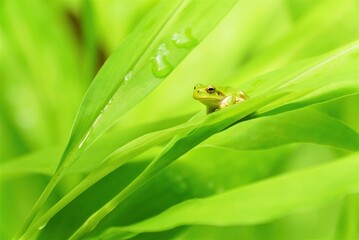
[(147, 56), (314, 77), (178, 146), (305, 126), (157, 45), (258, 203)]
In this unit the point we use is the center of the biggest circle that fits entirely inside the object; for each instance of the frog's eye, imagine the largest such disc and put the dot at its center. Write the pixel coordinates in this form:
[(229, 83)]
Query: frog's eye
[(210, 89)]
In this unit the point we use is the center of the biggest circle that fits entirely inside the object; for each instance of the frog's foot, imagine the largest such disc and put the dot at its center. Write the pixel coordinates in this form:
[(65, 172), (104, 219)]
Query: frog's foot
[(242, 97), (223, 105)]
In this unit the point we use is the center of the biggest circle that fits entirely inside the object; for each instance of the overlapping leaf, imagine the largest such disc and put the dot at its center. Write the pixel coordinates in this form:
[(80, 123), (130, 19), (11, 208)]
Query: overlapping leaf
[(294, 82), (297, 126), (150, 53), (257, 203)]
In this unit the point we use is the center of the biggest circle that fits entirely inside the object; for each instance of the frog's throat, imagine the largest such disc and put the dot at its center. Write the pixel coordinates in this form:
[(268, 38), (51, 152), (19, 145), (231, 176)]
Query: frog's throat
[(211, 102)]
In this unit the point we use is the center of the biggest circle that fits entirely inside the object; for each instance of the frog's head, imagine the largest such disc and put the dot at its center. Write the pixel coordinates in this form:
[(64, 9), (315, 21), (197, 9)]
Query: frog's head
[(208, 95)]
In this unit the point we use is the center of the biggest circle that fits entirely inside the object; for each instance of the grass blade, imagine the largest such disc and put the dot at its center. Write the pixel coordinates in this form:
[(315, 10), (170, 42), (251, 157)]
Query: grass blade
[(178, 146), (246, 205), (304, 125), (111, 163), (145, 58)]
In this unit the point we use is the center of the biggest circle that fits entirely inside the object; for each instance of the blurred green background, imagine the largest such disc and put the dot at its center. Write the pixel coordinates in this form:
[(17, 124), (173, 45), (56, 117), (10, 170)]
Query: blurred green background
[(51, 50)]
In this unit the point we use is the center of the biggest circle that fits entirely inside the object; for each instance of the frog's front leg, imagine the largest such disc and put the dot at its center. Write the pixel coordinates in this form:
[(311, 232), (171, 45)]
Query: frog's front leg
[(227, 101)]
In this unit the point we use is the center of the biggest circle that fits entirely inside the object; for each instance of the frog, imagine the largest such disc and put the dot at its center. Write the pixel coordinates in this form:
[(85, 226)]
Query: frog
[(216, 97)]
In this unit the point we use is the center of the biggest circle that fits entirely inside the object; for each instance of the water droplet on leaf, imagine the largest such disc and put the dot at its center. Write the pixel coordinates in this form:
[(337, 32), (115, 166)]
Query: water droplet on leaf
[(107, 105), (128, 76), (184, 39), (161, 67), (42, 226)]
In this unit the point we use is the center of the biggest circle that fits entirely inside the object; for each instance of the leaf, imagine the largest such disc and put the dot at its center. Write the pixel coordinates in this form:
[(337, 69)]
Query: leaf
[(320, 79), (179, 145), (137, 146), (44, 161), (218, 122), (150, 53), (303, 125), (341, 61), (157, 45), (111, 163), (41, 162), (195, 175), (259, 202), (308, 36)]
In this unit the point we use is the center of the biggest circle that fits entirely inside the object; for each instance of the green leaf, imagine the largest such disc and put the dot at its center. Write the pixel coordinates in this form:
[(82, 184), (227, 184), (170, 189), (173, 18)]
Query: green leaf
[(320, 79), (308, 36), (111, 163), (150, 53), (326, 69), (40, 162), (179, 145), (157, 45), (296, 82), (194, 175), (305, 125), (44, 161), (259, 202)]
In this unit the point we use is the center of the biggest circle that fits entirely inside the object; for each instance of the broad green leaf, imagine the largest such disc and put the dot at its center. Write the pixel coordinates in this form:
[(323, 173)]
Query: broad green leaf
[(149, 54), (326, 69), (178, 146), (45, 161), (320, 79), (40, 162), (44, 80), (184, 143), (144, 59), (194, 175), (303, 125), (260, 202), (348, 225), (309, 36), (111, 163), (326, 93)]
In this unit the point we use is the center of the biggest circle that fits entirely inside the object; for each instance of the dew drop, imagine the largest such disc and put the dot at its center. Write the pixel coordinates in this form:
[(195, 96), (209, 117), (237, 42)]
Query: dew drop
[(161, 67), (42, 226), (94, 123), (107, 105), (184, 39), (128, 76)]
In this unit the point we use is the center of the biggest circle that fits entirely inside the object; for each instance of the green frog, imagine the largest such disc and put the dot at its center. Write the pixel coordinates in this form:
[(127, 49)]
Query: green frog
[(216, 98)]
